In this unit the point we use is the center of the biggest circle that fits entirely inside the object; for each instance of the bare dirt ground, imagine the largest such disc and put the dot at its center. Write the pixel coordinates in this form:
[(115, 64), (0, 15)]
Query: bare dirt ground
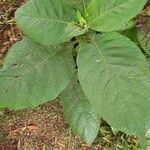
[(9, 32), (44, 127)]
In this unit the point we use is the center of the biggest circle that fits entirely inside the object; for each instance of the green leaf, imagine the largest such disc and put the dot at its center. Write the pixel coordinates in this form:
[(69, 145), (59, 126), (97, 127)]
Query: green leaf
[(79, 113), (108, 15), (47, 21), (33, 74), (1, 63), (148, 60), (132, 34), (112, 75)]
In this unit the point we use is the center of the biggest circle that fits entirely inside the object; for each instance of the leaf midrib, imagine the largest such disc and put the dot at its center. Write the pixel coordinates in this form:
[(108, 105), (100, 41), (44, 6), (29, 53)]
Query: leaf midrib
[(35, 66), (103, 57), (112, 74), (46, 19)]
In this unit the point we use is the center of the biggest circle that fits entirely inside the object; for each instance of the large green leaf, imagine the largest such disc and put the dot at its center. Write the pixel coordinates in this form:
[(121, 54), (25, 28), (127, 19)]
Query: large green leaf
[(33, 74), (79, 113), (111, 72), (48, 22), (108, 15)]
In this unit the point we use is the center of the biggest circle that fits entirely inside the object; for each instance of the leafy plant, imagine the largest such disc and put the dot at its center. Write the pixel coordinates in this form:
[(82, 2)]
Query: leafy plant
[(89, 38)]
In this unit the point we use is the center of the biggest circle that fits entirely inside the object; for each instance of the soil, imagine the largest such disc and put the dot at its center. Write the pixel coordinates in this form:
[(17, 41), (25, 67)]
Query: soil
[(44, 127), (9, 32)]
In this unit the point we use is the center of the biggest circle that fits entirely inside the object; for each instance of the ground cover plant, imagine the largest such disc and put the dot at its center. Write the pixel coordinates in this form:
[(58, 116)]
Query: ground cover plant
[(93, 39)]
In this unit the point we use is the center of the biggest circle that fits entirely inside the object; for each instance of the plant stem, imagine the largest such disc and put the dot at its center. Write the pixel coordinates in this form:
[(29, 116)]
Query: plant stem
[(84, 7)]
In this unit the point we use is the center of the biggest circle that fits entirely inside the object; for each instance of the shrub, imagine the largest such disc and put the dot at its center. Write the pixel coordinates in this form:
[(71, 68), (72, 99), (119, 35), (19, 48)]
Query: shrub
[(92, 54)]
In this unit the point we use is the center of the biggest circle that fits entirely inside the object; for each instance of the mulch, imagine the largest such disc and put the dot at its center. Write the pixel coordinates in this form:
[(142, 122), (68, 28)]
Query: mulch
[(9, 32)]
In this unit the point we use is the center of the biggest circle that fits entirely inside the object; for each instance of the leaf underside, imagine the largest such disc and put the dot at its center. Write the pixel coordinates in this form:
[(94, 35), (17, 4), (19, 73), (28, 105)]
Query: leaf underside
[(81, 116)]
